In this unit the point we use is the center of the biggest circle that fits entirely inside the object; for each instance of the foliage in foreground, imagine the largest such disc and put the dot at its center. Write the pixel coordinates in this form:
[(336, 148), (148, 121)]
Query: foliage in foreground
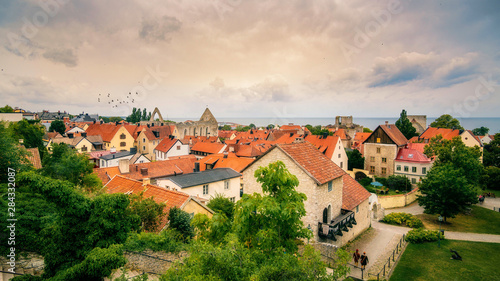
[(421, 235), (167, 241), (181, 221), (235, 261), (403, 219)]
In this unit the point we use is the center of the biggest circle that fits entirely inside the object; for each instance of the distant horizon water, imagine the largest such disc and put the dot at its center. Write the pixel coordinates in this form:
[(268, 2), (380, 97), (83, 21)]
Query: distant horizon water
[(493, 123)]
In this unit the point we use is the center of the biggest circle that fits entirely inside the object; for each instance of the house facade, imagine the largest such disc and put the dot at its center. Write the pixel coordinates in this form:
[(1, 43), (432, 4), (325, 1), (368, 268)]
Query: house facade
[(170, 147), (151, 136), (381, 149), (412, 163), (328, 192)]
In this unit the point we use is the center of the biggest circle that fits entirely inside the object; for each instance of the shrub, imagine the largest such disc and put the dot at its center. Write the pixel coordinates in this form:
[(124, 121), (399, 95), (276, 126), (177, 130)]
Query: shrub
[(383, 181), (365, 182), (399, 183), (181, 221), (421, 235), (403, 219), (167, 240)]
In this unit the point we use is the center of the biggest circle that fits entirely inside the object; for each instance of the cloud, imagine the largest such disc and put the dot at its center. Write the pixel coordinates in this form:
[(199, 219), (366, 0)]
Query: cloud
[(159, 29), (64, 56)]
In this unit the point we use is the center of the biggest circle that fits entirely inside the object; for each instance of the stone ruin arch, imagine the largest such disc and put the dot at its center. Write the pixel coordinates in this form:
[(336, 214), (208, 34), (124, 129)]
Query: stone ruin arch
[(156, 111)]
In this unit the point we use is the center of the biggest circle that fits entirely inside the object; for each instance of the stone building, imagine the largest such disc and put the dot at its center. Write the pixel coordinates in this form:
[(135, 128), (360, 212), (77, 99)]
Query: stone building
[(381, 149), (337, 207), (419, 122), (207, 126), (346, 123)]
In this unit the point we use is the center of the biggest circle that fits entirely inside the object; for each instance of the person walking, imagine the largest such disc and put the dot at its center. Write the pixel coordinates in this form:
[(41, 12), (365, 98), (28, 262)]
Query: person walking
[(364, 260), (356, 256)]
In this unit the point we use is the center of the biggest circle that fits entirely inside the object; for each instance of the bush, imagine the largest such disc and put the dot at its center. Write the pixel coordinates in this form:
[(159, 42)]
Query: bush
[(420, 235), (383, 181), (365, 182), (403, 219), (181, 221), (398, 183), (167, 241)]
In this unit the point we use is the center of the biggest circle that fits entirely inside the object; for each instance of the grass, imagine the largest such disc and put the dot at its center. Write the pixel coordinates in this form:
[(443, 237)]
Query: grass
[(428, 262), (481, 220)]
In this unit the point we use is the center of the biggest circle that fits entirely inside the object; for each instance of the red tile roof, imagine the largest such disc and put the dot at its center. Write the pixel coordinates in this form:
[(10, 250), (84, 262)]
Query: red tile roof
[(325, 145), (166, 144), (163, 132), (290, 127), (170, 198), (178, 165), (317, 165), (431, 132), (394, 134), (34, 157), (106, 131), (353, 193), (412, 155), (208, 147), (341, 134), (226, 134)]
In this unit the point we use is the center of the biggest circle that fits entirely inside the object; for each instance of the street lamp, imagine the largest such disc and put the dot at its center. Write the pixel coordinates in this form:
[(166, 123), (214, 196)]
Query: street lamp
[(440, 218)]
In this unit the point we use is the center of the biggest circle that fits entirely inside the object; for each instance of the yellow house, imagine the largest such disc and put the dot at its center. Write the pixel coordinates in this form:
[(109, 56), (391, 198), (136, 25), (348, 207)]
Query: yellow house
[(150, 137), (80, 144), (120, 137)]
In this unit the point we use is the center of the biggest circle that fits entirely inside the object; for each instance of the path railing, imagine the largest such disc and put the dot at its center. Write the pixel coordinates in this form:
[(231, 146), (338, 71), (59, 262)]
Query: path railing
[(396, 253)]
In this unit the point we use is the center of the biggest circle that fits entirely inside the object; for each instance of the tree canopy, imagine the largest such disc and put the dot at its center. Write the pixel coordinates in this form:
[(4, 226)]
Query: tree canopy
[(492, 152), (404, 125), (57, 126), (137, 115), (6, 109), (355, 160), (451, 185), (316, 130), (31, 134), (447, 121), (481, 131)]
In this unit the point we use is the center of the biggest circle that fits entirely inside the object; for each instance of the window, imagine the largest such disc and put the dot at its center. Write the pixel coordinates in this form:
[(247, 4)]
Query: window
[(384, 160), (123, 143), (372, 169), (413, 181), (384, 171), (84, 148), (398, 168), (341, 165), (424, 170), (378, 141), (357, 209), (406, 168), (143, 140), (232, 199), (378, 149), (122, 136), (205, 189), (372, 158), (413, 169), (226, 184), (143, 148), (339, 155), (178, 147), (330, 186)]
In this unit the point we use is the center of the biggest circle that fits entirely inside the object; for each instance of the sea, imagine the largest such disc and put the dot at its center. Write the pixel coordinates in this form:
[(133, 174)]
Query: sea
[(493, 123)]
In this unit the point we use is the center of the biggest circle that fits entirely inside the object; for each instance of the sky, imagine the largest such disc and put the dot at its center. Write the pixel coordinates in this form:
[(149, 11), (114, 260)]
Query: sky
[(246, 58)]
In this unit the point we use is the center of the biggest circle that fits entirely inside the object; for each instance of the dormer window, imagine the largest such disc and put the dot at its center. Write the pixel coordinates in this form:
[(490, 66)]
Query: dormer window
[(410, 155)]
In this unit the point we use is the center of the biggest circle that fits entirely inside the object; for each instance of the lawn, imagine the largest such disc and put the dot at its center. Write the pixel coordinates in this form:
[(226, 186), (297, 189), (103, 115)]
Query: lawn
[(428, 262), (481, 220)]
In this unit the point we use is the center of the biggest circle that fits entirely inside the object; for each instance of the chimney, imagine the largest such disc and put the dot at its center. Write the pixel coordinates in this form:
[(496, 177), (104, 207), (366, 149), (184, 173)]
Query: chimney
[(196, 167), (146, 181), (123, 166), (144, 171), (386, 123)]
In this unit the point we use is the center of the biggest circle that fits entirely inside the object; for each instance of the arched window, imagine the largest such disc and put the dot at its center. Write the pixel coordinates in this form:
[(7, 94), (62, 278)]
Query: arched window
[(325, 215)]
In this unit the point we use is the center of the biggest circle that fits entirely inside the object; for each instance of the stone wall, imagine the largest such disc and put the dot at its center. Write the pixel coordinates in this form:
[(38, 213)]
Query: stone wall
[(388, 151), (398, 201), (328, 251), (152, 262), (363, 221)]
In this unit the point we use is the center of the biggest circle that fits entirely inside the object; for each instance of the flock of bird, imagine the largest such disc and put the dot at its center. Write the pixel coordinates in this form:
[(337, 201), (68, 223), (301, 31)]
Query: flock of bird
[(116, 102)]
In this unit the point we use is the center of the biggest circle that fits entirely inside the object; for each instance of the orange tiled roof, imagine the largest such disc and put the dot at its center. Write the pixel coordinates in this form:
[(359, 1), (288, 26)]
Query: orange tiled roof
[(290, 127), (208, 147), (231, 161), (163, 132), (134, 130), (34, 157), (170, 198), (447, 134), (226, 134), (321, 169), (106, 131), (341, 134), (178, 165), (394, 134), (353, 193), (166, 144), (325, 145)]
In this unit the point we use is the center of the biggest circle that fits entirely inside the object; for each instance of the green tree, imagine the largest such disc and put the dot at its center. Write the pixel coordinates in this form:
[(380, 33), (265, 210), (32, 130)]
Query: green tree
[(492, 178), (273, 220), (492, 152), (225, 128), (81, 223), (181, 221), (316, 130), (148, 210), (367, 130), (481, 131), (404, 125), (252, 126), (396, 182), (57, 126), (270, 126), (135, 116), (12, 157), (243, 129), (6, 109), (451, 184), (115, 119), (447, 121), (31, 134), (355, 159), (66, 164), (222, 204)]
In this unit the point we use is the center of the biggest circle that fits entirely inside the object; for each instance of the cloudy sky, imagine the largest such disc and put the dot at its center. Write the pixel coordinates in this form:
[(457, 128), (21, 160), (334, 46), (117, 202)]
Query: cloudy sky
[(246, 58)]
